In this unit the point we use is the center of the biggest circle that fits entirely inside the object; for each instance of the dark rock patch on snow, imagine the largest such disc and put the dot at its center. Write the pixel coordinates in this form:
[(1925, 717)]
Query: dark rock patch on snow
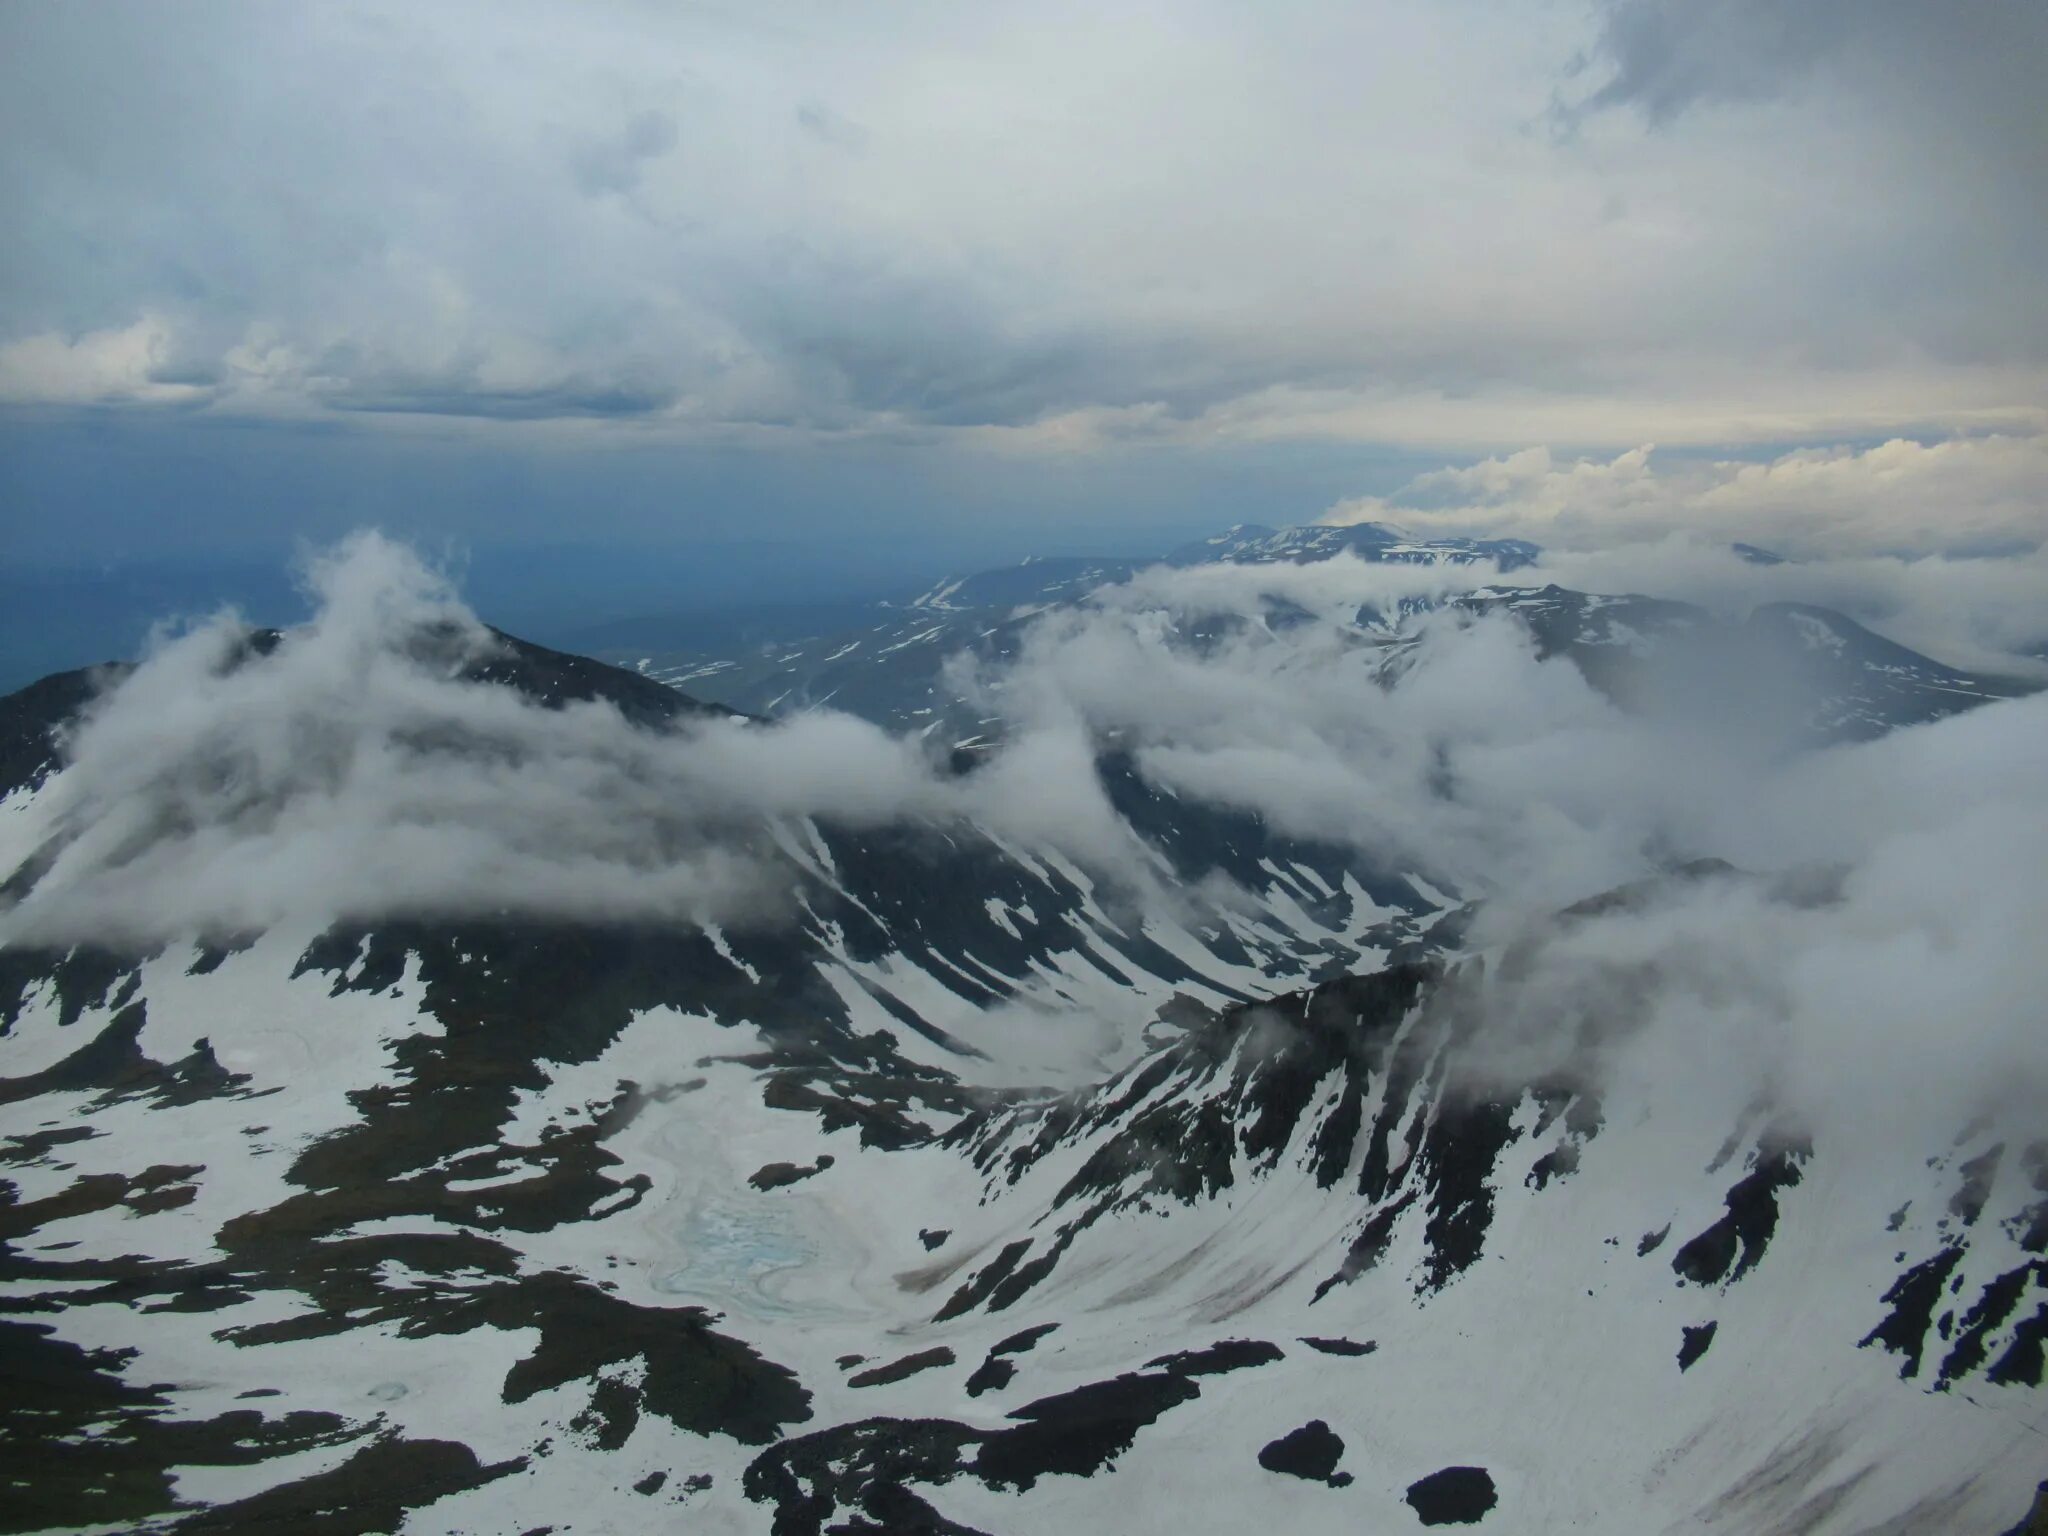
[(371, 1491), (776, 1175), (1230, 1355), (1079, 1432), (995, 1372), (992, 1375), (1912, 1299), (866, 1467), (1341, 1346), (1730, 1248), (1454, 1496), (897, 1370), (1310, 1453)]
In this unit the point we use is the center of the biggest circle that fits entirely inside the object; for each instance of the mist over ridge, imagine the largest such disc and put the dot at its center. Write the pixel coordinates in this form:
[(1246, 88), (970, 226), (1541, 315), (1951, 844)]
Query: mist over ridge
[(357, 770)]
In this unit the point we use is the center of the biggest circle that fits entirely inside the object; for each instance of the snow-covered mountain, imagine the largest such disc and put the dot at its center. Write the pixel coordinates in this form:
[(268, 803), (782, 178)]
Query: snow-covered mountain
[(889, 671), (1255, 544), (999, 1178), (1813, 670)]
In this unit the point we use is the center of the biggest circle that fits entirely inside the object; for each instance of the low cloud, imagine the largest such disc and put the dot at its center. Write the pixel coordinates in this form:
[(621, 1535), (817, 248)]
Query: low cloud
[(1446, 747), (1987, 614), (352, 772), (1875, 940), (1861, 969), (1868, 974)]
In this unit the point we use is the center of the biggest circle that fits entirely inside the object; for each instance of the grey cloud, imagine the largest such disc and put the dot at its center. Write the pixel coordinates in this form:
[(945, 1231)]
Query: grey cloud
[(828, 127), (1949, 95), (348, 377), (460, 396), (638, 209), (1667, 56), (617, 162)]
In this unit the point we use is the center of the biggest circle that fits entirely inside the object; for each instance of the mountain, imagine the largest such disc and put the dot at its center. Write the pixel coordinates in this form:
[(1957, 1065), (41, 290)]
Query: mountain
[(1254, 544), (1793, 670), (1036, 582), (1868, 685), (1790, 669), (889, 670), (982, 1192)]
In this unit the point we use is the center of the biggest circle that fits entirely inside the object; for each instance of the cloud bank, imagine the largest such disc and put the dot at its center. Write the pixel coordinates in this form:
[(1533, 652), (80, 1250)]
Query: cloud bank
[(1875, 982), (1960, 495), (1863, 969), (352, 772), (1943, 546), (1034, 226), (1873, 945)]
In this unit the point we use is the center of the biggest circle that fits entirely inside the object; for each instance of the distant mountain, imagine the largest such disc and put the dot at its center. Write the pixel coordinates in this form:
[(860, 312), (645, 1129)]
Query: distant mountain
[(1756, 556), (1252, 544), (1795, 671), (1790, 670), (1867, 683), (888, 669), (1038, 582)]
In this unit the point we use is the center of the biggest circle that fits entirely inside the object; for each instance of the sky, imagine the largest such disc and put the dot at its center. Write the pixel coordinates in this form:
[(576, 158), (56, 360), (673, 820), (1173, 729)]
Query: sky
[(965, 282)]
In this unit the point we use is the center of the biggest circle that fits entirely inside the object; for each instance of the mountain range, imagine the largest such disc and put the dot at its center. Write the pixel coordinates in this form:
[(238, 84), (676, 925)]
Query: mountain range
[(1270, 1170), (1849, 681)]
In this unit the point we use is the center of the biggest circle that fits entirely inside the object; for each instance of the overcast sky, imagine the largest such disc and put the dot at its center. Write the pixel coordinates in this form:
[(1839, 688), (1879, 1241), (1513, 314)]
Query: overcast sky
[(550, 271)]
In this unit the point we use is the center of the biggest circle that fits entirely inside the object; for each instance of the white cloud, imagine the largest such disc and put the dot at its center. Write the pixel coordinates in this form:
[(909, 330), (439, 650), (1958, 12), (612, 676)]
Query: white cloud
[(1910, 991), (1884, 994), (1958, 494), (97, 368), (353, 773)]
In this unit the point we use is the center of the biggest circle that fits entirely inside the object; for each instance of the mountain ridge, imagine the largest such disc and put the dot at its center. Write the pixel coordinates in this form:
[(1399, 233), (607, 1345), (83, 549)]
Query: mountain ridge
[(468, 1220)]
